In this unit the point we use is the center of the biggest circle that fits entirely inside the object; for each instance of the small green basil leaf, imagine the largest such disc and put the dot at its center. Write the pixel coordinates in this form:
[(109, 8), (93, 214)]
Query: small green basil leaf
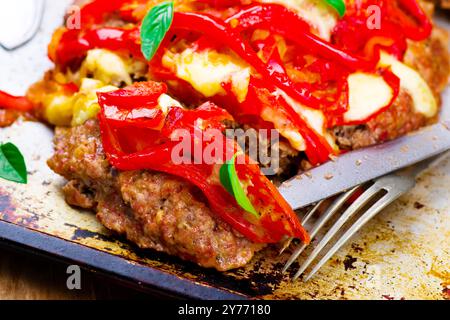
[(339, 5), (154, 28), (12, 164), (225, 178), (230, 181)]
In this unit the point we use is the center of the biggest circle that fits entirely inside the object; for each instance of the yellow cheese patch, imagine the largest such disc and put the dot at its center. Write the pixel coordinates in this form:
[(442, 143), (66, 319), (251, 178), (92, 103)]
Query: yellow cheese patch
[(320, 16), (368, 94), (105, 66), (58, 109), (85, 102), (411, 81), (207, 70), (315, 118), (165, 102)]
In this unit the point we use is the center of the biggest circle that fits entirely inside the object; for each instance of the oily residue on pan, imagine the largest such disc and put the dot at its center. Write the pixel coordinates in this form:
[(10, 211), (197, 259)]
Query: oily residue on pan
[(7, 208), (441, 270), (9, 212), (391, 257)]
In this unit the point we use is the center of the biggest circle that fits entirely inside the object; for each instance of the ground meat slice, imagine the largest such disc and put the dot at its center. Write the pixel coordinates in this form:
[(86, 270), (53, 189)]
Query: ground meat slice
[(431, 60), (151, 209), (77, 194), (445, 4), (397, 121), (172, 216)]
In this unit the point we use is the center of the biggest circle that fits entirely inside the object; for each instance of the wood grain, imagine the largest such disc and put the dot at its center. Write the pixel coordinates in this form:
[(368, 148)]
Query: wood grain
[(28, 277)]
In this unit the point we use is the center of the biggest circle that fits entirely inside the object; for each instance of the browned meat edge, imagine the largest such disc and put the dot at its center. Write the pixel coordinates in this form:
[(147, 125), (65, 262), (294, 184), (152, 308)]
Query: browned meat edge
[(151, 209)]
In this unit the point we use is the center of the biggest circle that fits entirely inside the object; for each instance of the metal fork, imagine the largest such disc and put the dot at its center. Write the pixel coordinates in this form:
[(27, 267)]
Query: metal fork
[(381, 193)]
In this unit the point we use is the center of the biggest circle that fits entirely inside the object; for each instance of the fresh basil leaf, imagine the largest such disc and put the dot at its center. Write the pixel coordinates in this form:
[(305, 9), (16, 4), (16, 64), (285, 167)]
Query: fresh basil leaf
[(154, 28), (12, 164), (225, 178), (230, 181), (339, 5)]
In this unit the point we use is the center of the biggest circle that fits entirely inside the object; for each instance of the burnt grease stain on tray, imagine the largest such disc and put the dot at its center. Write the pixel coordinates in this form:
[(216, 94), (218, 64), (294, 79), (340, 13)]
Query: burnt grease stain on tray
[(7, 208), (252, 282), (8, 212)]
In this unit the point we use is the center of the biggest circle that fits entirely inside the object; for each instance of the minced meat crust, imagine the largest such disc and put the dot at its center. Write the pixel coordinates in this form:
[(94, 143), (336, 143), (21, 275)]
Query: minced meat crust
[(151, 209), (430, 58)]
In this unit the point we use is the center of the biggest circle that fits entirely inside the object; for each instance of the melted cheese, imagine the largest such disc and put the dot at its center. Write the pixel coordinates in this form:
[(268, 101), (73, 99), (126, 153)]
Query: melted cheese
[(411, 81), (207, 70), (63, 110), (319, 15), (106, 66), (165, 102), (315, 118), (290, 133), (85, 102), (58, 109), (368, 94)]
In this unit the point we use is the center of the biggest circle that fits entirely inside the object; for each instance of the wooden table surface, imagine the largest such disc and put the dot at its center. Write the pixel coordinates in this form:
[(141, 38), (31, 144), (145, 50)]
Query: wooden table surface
[(27, 277)]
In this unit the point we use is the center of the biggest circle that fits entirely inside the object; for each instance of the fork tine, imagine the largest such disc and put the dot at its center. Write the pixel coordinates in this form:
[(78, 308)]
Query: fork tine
[(327, 215), (372, 212), (312, 211), (360, 202), (308, 216)]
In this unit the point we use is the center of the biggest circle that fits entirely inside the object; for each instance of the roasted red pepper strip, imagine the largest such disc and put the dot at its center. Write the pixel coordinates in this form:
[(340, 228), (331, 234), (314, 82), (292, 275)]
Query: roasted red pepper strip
[(353, 34), (94, 11), (277, 218), (392, 80), (416, 32), (270, 204), (272, 77), (217, 29), (317, 149), (8, 101), (140, 94), (258, 98), (74, 44), (221, 3), (282, 21), (137, 118)]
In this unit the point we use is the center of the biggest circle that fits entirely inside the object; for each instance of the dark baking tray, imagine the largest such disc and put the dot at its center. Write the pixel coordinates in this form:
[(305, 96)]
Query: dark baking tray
[(134, 275)]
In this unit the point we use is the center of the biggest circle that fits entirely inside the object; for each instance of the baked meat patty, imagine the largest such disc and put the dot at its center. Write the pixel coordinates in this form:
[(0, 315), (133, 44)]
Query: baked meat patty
[(151, 209), (162, 212)]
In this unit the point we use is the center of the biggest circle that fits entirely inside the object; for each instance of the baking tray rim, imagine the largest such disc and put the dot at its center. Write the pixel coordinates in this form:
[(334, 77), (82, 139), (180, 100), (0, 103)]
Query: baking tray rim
[(130, 272)]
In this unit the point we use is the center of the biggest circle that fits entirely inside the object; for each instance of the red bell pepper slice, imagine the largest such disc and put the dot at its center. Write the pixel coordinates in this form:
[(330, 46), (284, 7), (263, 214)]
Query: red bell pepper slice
[(137, 118), (418, 30), (392, 80), (273, 76), (95, 11), (74, 44), (318, 149), (277, 218), (218, 29), (222, 3), (138, 95), (11, 102), (259, 96), (400, 20), (282, 21)]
